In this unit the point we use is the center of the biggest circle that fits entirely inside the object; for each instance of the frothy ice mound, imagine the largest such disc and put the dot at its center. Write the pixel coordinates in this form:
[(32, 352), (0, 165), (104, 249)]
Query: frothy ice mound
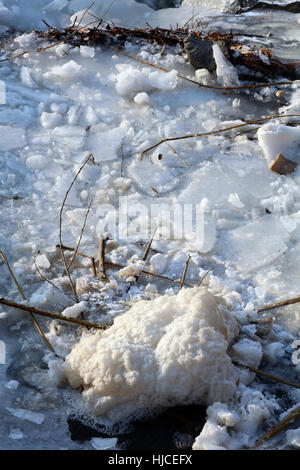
[(168, 351)]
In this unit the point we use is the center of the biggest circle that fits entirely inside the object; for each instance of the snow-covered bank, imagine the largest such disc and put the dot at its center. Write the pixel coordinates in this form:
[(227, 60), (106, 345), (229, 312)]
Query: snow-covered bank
[(65, 103)]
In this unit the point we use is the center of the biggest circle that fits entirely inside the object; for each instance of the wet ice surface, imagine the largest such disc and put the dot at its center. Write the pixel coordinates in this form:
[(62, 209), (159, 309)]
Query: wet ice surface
[(65, 103)]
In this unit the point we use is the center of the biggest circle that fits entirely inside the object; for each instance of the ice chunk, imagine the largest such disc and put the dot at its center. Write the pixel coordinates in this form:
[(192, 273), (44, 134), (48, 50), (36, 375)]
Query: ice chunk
[(87, 51), (75, 311), (100, 443), (293, 437), (212, 437), (158, 263), (16, 434), (273, 352), (37, 162), (142, 98), (11, 138), (43, 262), (12, 385), (167, 351), (226, 72), (27, 415), (257, 244), (275, 138), (69, 71), (105, 145)]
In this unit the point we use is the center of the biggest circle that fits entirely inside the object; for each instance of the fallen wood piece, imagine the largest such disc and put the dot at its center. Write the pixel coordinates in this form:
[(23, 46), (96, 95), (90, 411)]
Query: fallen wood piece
[(282, 165), (266, 374), (55, 316), (278, 304), (284, 423)]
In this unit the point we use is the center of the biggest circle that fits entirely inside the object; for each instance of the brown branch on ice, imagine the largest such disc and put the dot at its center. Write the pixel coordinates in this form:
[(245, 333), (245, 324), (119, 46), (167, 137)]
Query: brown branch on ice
[(184, 271), (54, 316), (218, 131), (267, 375), (278, 304), (109, 264), (283, 424), (90, 157)]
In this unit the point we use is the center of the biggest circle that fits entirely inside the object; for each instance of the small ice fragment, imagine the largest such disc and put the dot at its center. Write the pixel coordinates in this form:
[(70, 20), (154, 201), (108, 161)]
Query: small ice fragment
[(43, 262), (86, 51), (247, 352), (69, 71), (75, 311), (11, 138), (51, 120), (293, 437), (142, 98), (16, 434), (158, 263), (36, 162), (12, 385), (235, 201), (100, 443), (32, 416)]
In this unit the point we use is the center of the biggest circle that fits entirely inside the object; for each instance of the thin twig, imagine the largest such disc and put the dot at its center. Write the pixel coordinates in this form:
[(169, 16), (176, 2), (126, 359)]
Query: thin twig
[(81, 234), (55, 316), (218, 131), (202, 85), (185, 271), (284, 423), (39, 329), (278, 304), (177, 153), (266, 374), (121, 266), (207, 272), (60, 228), (48, 280), (102, 243)]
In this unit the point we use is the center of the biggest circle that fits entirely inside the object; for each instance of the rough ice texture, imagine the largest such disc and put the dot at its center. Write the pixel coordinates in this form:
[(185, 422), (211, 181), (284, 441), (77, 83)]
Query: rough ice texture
[(275, 138), (167, 351)]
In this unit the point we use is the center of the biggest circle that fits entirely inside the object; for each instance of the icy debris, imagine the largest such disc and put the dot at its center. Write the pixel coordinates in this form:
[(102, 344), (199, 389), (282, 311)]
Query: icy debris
[(75, 311), (220, 413), (70, 71), (257, 244), (142, 99), (16, 434), (131, 81), (12, 385), (226, 72), (247, 352), (133, 269), (87, 51), (273, 352), (293, 437), (104, 444), (37, 162), (42, 261), (163, 352), (105, 145), (158, 263), (11, 138), (275, 138), (213, 437), (51, 120), (27, 415)]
